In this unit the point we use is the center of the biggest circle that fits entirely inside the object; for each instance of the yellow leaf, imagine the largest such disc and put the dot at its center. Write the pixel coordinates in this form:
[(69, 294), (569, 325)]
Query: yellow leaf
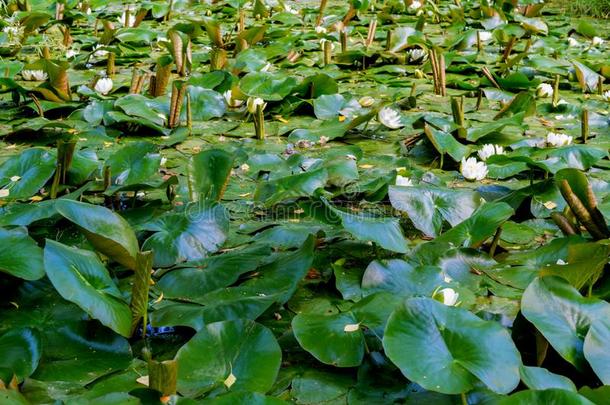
[(230, 380)]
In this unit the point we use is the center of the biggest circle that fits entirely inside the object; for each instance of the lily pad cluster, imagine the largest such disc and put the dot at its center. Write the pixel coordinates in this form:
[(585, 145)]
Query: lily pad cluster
[(333, 202)]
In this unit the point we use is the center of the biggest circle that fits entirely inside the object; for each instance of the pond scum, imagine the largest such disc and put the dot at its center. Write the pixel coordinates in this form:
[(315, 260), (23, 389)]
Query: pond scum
[(334, 202)]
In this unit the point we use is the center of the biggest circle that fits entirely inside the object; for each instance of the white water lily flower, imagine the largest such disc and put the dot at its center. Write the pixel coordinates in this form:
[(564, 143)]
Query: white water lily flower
[(417, 55), (573, 43), (104, 85), (449, 295), (320, 30), (558, 140), (244, 167), (13, 32), (419, 74), (34, 75), (561, 262), (4, 192), (390, 118), (597, 41), (131, 20), (163, 161), (490, 150), (544, 90), (606, 95), (15, 179), (231, 102), (254, 102), (366, 101), (403, 181), (99, 52), (70, 53), (414, 6), (472, 169), (485, 36)]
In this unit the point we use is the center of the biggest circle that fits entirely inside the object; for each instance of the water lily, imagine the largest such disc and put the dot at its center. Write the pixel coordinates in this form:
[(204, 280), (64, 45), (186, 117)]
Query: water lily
[(15, 179), (573, 43), (597, 41), (557, 140), (34, 75), (485, 36), (323, 140), (544, 90), (417, 55), (490, 150), (104, 85), (4, 192), (606, 95), (130, 21), (449, 296), (473, 170), (99, 52), (231, 102), (414, 6), (403, 181), (70, 53), (320, 30), (254, 102), (366, 101), (390, 118)]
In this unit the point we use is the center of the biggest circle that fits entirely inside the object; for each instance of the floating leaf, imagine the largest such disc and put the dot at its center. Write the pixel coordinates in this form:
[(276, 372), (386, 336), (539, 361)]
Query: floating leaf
[(242, 349), (80, 277)]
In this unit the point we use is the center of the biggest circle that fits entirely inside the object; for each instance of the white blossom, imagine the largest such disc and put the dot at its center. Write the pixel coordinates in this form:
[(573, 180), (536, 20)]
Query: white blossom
[(390, 118), (320, 30), (403, 181), (4, 192), (545, 90), (366, 101), (70, 53), (34, 75), (323, 140), (556, 140), (490, 150), (104, 85), (485, 36), (449, 296), (597, 41), (472, 169), (417, 55), (131, 20), (231, 102), (99, 52), (573, 42), (254, 102), (415, 5), (606, 95)]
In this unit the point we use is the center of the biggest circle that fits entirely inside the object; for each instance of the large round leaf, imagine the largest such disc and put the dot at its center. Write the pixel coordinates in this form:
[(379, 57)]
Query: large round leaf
[(20, 256), (335, 339), (23, 175), (19, 353), (209, 173), (107, 231), (447, 349), (80, 277), (188, 235), (550, 396), (205, 103), (267, 86), (401, 278), (428, 207), (240, 354), (134, 163), (564, 317)]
